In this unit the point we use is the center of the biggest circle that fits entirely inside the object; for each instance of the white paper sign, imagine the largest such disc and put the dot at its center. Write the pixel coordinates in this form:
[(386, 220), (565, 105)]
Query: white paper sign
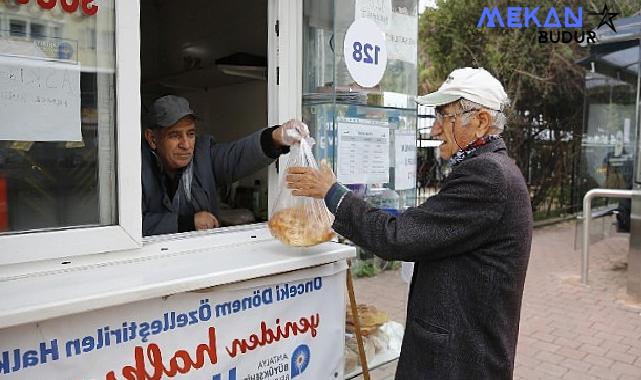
[(402, 35), (363, 151), (39, 100), (284, 327), (365, 53), (401, 30), (626, 130), (375, 10), (405, 154)]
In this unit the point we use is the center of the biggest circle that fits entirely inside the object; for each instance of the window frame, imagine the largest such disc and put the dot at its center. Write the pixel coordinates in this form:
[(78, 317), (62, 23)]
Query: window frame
[(28, 246), (44, 25), (284, 52), (18, 19), (285, 65)]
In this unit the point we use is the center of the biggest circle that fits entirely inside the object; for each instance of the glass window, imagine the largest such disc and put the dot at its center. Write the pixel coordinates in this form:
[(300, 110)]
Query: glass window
[(92, 38), (609, 124), (609, 130), (56, 31), (18, 28), (368, 134), (334, 105), (38, 31), (228, 97), (57, 101)]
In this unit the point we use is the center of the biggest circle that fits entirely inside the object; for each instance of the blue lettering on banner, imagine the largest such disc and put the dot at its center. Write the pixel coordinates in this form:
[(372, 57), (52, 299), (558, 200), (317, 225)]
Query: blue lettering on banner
[(231, 375), (4, 363), (14, 360), (53, 351), (286, 291), (30, 358)]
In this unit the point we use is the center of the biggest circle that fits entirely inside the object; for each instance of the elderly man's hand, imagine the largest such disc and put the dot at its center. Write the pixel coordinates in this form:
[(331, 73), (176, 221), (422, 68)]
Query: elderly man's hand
[(205, 220), (309, 182), (290, 133)]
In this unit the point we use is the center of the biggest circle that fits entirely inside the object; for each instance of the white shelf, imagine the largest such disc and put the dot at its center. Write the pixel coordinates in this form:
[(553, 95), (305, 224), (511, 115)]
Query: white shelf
[(44, 290)]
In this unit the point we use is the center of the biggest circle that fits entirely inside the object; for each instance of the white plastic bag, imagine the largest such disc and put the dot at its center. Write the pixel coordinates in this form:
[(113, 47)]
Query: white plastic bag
[(300, 221)]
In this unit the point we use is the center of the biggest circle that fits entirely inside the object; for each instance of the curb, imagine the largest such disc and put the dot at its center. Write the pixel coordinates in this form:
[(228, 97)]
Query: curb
[(548, 222)]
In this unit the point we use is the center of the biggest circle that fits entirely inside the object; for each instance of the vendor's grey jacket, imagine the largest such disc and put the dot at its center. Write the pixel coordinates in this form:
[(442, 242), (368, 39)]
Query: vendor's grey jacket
[(471, 245), (215, 164)]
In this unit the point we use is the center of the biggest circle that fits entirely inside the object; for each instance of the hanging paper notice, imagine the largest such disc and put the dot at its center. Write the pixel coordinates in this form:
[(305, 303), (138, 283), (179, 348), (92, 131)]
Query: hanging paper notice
[(39, 100), (400, 29), (405, 170), (378, 11), (363, 151), (402, 43)]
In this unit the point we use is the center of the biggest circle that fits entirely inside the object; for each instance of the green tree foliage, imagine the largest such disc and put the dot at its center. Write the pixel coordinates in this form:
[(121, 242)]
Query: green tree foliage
[(543, 81)]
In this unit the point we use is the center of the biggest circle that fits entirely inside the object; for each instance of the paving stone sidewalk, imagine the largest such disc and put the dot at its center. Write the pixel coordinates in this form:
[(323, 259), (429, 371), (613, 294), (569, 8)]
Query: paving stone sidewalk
[(568, 331)]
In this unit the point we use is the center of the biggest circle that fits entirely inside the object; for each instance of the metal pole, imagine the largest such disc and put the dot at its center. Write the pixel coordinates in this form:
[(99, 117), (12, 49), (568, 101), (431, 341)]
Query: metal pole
[(357, 323), (636, 119), (587, 217)]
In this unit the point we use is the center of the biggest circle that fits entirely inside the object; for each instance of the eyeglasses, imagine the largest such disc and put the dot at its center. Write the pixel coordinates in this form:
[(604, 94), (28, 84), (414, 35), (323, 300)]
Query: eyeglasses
[(441, 118)]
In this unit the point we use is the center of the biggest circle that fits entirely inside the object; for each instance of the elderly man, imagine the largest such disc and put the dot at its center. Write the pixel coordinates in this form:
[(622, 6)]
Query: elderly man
[(470, 243), (180, 172)]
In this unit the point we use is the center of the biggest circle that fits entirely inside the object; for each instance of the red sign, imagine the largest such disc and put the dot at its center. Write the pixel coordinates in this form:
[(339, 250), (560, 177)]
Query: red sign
[(69, 6)]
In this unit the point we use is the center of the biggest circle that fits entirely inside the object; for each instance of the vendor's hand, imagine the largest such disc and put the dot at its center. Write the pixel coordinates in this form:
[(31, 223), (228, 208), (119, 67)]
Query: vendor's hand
[(205, 220), (290, 133), (310, 182)]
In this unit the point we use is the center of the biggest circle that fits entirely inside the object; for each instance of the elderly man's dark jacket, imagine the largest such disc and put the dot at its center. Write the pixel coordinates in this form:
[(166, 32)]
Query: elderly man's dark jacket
[(471, 245), (213, 165)]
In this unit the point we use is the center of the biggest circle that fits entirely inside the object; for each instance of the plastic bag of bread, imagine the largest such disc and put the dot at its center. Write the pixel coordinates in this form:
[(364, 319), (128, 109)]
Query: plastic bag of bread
[(300, 221)]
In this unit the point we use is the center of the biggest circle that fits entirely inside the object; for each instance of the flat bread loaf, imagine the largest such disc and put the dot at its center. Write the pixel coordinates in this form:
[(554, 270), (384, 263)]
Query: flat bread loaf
[(297, 227)]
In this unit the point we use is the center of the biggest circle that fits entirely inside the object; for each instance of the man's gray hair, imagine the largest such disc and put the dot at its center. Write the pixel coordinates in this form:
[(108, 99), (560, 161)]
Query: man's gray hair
[(498, 117)]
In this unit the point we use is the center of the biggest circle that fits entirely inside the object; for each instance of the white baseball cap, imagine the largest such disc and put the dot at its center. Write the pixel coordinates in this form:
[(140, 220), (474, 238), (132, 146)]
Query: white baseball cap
[(476, 85)]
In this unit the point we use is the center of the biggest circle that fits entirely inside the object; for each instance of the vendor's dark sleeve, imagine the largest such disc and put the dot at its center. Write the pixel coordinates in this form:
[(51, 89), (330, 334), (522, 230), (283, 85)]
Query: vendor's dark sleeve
[(267, 143)]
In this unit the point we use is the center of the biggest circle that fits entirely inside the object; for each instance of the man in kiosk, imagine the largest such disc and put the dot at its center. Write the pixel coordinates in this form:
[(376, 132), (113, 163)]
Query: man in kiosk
[(180, 171)]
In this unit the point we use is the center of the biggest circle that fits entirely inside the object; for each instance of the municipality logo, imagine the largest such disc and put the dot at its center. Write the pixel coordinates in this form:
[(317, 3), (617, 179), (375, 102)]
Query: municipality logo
[(300, 360), (556, 21)]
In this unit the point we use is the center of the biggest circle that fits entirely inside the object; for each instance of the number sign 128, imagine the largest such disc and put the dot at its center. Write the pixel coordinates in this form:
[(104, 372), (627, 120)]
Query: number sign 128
[(363, 52)]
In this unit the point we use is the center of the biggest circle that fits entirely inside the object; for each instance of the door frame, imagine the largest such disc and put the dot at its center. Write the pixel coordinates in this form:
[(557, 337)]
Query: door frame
[(285, 73)]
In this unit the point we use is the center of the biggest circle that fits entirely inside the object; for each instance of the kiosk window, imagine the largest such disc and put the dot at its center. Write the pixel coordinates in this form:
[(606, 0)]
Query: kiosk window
[(57, 101), (205, 53), (38, 31), (18, 28), (56, 31)]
